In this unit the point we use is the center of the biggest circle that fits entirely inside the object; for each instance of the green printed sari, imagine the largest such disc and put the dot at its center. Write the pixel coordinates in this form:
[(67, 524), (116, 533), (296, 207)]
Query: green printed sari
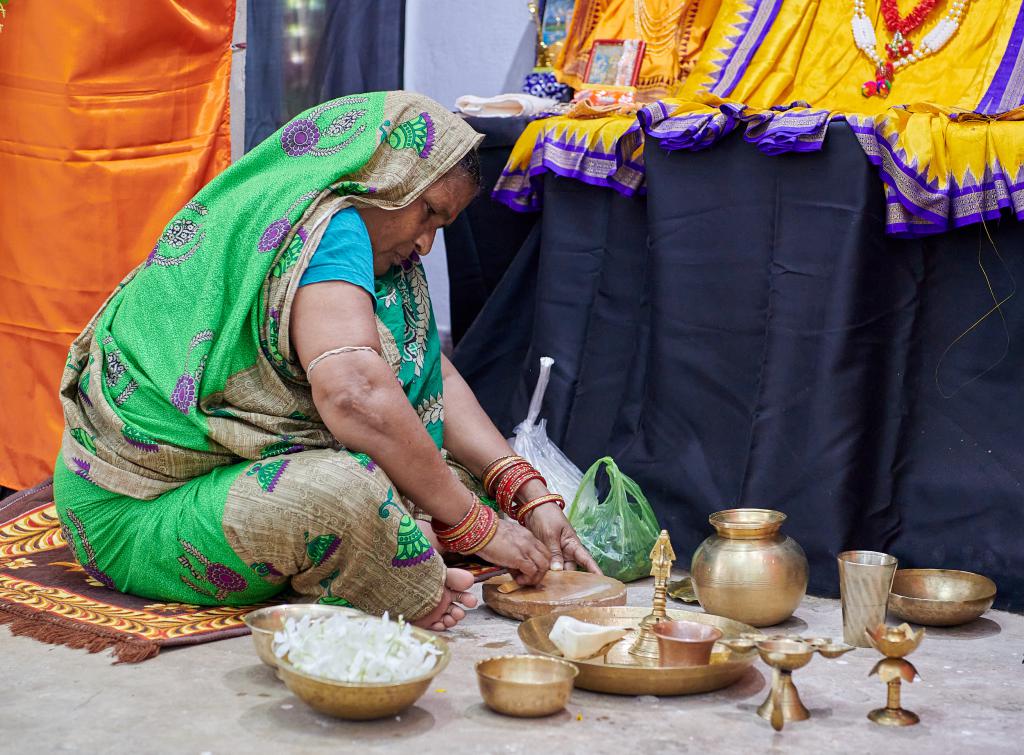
[(187, 413)]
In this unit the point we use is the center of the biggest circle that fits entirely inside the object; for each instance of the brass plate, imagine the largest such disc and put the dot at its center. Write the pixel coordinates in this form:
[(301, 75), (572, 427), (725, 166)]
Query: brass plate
[(620, 673)]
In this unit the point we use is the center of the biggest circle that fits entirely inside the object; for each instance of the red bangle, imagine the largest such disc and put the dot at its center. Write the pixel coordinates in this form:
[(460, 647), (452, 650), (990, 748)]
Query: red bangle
[(517, 485), (478, 535), (527, 508), (502, 492), (512, 483), (502, 473), (488, 534), (498, 469), (454, 531), (495, 469), (468, 535)]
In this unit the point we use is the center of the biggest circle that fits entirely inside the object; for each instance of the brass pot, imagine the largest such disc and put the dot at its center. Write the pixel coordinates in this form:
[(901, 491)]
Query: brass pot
[(749, 571)]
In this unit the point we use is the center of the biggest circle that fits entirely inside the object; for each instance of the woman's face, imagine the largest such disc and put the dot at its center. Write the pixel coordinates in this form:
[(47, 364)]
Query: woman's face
[(396, 235)]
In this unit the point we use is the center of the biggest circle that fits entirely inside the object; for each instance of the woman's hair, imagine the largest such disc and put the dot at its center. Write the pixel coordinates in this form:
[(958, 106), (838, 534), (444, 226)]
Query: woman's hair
[(469, 166)]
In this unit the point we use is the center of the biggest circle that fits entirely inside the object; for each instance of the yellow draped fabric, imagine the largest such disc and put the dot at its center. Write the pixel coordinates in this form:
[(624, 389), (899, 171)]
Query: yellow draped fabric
[(599, 151), (607, 151), (112, 114), (674, 31), (808, 54), (948, 140), (943, 164)]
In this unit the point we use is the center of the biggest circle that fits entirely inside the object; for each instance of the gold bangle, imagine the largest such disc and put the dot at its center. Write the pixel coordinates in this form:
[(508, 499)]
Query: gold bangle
[(486, 540), (536, 503), (463, 525), (497, 469), (496, 462)]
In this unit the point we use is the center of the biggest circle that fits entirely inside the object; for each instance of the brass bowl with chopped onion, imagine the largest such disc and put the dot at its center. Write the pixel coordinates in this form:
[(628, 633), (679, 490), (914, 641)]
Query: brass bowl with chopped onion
[(263, 622), (360, 700)]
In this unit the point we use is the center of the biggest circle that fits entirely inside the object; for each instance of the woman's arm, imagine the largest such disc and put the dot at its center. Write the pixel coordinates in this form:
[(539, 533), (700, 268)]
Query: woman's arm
[(365, 408), (472, 439)]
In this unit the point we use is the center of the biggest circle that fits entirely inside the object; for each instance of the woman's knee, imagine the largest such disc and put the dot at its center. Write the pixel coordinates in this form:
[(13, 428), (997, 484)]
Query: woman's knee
[(312, 485)]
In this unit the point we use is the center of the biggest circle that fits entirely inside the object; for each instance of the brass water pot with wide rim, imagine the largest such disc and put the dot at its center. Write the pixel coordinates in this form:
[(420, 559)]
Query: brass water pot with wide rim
[(749, 571)]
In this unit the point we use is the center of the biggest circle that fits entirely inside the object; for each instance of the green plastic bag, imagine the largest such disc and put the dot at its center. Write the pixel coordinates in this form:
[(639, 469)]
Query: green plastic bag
[(618, 532)]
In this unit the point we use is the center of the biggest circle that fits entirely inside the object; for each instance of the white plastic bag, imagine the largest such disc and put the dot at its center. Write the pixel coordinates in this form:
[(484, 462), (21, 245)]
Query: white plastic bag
[(532, 443)]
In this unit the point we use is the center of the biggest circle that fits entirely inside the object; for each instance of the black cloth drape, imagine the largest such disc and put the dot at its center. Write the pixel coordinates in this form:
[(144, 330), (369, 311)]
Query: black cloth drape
[(482, 241), (301, 54), (748, 336)]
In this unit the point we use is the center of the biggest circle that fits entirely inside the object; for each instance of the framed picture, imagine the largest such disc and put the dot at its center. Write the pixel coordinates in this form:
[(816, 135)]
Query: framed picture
[(555, 17), (615, 62)]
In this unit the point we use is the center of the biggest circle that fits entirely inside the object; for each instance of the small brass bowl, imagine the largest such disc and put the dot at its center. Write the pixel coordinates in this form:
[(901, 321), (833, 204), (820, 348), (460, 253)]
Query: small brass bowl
[(265, 621), (685, 643), (526, 686), (940, 597), (788, 655), (363, 701)]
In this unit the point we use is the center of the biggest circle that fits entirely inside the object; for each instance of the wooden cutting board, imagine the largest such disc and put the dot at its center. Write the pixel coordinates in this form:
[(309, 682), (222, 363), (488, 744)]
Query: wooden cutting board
[(559, 589)]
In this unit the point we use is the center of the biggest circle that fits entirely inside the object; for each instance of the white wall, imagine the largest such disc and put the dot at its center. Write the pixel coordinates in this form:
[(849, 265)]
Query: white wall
[(456, 47), (237, 87)]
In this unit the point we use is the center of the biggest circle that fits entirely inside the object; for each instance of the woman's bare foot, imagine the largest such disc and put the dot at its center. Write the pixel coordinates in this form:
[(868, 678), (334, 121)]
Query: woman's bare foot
[(448, 612)]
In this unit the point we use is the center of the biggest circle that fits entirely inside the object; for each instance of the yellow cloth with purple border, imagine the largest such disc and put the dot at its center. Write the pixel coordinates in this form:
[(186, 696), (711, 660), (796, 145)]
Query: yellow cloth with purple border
[(946, 141), (598, 151)]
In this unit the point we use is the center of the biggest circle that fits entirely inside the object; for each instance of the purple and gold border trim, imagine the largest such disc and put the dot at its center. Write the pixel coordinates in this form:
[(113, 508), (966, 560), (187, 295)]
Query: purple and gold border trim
[(755, 22), (689, 131), (621, 169), (1006, 91), (916, 206), (792, 128)]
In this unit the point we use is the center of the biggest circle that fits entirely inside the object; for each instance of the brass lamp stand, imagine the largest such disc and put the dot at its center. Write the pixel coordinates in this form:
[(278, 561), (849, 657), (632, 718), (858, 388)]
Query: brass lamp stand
[(662, 557)]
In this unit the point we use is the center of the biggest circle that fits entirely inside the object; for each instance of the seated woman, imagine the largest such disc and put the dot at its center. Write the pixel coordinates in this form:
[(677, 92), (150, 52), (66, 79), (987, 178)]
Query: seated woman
[(263, 401)]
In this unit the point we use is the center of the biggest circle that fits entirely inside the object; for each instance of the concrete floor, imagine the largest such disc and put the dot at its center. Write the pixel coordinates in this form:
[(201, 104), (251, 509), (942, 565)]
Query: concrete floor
[(217, 698)]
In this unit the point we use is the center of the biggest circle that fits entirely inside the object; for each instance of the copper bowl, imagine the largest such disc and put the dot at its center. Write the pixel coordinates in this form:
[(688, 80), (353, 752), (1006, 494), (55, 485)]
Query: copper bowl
[(526, 686), (363, 701), (940, 597), (685, 643), (265, 621)]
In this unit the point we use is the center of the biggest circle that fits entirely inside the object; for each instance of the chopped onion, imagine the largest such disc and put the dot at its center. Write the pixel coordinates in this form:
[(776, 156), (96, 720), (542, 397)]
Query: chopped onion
[(347, 648)]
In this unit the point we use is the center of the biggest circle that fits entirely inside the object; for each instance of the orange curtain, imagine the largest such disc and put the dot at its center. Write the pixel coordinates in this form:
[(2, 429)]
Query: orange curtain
[(112, 114)]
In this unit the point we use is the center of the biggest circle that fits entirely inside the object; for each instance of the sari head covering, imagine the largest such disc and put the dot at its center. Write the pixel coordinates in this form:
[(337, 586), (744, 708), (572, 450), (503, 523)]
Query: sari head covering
[(188, 365)]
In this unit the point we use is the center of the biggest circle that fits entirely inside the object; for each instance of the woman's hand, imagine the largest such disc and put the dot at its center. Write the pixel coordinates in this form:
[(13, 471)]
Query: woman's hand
[(549, 524), (515, 548)]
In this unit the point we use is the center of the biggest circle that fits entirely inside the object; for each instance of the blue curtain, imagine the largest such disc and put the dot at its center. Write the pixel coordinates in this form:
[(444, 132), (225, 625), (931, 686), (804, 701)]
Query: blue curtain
[(302, 52)]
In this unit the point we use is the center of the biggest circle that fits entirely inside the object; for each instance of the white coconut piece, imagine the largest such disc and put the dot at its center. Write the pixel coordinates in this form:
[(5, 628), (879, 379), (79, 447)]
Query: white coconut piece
[(578, 639)]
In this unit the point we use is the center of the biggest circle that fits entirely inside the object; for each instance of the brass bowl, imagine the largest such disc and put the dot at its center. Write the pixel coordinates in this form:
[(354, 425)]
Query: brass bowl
[(940, 597), (526, 686), (362, 701), (265, 621), (618, 672), (685, 643), (788, 655)]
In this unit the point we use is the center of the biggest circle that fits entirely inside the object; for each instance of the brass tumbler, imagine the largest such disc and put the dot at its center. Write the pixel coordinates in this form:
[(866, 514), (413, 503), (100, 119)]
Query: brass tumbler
[(865, 578)]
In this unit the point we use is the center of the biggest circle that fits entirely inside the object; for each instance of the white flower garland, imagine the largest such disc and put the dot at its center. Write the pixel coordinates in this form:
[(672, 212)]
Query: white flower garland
[(943, 30)]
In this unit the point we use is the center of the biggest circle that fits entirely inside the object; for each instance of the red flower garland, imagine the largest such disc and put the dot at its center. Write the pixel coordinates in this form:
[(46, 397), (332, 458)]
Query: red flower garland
[(910, 22)]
